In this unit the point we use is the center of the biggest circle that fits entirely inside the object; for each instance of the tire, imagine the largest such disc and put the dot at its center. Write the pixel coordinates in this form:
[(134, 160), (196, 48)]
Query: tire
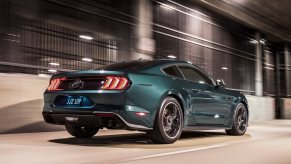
[(81, 131), (168, 123), (240, 121)]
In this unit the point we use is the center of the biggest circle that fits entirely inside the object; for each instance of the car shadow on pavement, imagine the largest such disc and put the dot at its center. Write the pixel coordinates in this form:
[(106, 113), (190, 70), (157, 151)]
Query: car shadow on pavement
[(141, 140)]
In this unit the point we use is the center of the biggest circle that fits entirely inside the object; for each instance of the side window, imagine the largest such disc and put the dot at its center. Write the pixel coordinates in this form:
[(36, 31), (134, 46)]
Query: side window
[(173, 71), (194, 75)]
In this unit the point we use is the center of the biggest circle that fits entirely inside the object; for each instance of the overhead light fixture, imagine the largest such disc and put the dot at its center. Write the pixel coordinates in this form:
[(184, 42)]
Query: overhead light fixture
[(87, 59), (52, 70), (254, 41), (86, 37), (263, 41), (54, 64), (172, 56), (224, 68)]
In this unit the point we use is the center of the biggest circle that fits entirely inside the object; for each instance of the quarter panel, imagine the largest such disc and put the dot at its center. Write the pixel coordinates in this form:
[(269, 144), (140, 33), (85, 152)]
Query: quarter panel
[(149, 90)]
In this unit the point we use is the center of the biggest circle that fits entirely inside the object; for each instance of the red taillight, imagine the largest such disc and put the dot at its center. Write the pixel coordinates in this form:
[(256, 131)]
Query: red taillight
[(115, 83), (54, 84)]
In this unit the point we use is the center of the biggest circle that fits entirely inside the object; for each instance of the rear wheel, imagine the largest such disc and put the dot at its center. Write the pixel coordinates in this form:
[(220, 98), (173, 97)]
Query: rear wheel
[(81, 131), (240, 121), (168, 123)]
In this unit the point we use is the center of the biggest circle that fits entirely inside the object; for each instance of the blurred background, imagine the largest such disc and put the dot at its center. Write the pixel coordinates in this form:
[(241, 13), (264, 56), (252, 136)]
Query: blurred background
[(244, 42)]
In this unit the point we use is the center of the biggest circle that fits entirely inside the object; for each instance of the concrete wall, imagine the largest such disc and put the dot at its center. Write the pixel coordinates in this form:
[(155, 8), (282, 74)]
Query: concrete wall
[(21, 103), (261, 108), (286, 108)]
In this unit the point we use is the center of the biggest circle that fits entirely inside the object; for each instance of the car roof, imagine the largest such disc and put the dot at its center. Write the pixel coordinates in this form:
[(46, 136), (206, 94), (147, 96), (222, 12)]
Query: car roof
[(165, 61), (139, 64)]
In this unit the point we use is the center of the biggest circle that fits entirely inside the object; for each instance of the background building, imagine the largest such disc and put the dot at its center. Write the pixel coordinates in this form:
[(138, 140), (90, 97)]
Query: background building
[(240, 42)]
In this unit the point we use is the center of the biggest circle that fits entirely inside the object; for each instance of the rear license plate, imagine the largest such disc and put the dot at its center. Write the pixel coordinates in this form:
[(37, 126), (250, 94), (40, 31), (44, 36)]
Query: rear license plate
[(74, 100)]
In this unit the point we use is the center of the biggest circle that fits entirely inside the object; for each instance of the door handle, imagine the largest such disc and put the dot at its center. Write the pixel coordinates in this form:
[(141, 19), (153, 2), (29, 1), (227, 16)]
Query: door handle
[(196, 90)]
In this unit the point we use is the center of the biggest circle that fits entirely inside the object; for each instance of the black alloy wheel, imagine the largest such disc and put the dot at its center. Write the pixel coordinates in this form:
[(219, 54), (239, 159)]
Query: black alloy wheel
[(169, 122), (240, 121)]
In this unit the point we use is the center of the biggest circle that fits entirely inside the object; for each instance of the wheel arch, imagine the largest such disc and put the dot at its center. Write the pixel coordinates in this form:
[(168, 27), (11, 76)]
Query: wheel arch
[(247, 108), (179, 100), (177, 96)]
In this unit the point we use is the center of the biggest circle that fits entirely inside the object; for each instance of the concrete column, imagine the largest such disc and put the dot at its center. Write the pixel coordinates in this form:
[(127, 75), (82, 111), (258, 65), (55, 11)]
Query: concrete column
[(144, 45), (278, 111), (259, 69), (286, 63)]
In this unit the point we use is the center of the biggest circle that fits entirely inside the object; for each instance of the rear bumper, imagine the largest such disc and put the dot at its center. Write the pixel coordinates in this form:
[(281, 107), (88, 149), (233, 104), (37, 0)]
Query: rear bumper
[(109, 120), (123, 104)]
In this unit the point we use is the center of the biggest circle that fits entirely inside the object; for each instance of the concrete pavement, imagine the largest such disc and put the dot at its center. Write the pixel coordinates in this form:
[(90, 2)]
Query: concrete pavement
[(265, 143)]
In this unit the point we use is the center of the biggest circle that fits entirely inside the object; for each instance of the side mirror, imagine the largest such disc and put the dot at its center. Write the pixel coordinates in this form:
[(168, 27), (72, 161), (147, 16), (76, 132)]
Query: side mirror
[(220, 83)]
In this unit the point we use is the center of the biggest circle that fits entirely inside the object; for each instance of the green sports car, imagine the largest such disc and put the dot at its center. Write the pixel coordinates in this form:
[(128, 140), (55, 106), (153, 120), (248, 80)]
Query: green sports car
[(159, 97)]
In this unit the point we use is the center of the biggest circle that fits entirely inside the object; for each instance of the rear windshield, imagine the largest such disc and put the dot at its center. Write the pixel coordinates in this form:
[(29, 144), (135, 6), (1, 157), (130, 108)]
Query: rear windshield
[(130, 65)]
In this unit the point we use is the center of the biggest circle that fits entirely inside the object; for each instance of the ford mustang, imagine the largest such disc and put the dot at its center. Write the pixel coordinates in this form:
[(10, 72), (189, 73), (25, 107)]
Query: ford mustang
[(160, 97)]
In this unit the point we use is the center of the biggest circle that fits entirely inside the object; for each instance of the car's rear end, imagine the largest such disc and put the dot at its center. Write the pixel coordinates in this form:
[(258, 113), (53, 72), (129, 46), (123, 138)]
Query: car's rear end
[(102, 98)]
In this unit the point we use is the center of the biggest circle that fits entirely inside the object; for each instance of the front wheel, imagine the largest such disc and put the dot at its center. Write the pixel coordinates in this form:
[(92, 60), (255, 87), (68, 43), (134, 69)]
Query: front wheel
[(81, 131), (240, 121), (168, 123)]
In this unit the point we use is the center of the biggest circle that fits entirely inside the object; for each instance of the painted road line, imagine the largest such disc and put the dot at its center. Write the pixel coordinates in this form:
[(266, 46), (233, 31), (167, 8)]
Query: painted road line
[(174, 152)]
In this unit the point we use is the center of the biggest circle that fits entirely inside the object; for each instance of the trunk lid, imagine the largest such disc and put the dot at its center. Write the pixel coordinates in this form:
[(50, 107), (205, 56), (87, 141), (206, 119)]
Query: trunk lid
[(85, 80)]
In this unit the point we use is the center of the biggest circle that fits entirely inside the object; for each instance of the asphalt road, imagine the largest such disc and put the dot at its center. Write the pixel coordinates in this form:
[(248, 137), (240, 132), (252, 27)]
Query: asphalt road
[(264, 143)]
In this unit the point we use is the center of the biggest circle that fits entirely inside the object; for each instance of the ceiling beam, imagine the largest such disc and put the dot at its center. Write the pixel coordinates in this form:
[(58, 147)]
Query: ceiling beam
[(234, 11)]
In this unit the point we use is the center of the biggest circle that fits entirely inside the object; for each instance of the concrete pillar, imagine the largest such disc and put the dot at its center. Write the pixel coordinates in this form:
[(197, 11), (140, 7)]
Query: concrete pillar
[(278, 107), (258, 66), (144, 45), (286, 63)]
